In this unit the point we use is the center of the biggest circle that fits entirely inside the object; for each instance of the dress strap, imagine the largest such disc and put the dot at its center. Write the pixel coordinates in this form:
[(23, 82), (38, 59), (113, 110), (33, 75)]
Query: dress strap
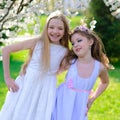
[(38, 45), (97, 67)]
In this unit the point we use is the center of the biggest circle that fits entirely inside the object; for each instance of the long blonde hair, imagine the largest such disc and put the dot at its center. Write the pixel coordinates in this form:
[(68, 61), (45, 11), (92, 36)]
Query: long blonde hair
[(46, 41)]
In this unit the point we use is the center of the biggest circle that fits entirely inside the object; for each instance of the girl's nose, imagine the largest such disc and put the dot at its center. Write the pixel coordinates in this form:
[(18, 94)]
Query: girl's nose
[(75, 44), (55, 30)]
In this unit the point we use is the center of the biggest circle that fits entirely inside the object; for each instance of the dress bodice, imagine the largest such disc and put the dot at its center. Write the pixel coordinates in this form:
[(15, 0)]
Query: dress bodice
[(57, 52), (79, 83)]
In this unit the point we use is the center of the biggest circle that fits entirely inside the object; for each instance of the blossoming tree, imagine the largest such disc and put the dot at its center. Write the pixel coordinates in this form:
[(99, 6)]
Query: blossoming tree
[(16, 14)]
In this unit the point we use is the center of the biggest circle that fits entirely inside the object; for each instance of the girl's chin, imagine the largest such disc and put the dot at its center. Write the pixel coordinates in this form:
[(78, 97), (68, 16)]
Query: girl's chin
[(55, 40)]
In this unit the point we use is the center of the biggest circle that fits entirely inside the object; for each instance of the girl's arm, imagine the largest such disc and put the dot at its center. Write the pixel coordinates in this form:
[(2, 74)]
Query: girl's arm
[(63, 66), (104, 81), (6, 51)]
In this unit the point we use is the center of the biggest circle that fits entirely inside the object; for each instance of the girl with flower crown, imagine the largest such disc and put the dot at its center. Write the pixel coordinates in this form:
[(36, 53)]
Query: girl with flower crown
[(86, 62)]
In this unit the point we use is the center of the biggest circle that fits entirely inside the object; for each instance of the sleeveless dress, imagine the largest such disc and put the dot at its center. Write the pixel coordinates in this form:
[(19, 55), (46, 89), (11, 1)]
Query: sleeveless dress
[(72, 95), (35, 98)]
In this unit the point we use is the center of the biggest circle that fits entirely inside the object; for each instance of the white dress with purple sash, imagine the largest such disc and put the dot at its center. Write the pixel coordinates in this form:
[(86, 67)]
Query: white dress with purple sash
[(72, 95)]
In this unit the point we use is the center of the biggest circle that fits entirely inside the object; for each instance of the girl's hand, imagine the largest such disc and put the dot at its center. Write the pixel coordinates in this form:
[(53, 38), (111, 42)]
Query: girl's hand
[(12, 86), (90, 102)]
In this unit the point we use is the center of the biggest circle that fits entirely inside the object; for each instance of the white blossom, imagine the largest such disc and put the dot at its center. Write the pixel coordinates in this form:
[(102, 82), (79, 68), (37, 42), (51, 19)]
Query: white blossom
[(114, 7), (9, 16), (92, 24), (9, 2)]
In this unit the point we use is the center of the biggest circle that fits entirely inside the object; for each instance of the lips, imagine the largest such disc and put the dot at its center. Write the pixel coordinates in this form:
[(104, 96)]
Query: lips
[(55, 36), (77, 49)]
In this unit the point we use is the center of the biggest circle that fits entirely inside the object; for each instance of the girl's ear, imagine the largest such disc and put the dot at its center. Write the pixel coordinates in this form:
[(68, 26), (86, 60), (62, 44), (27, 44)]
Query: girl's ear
[(91, 42)]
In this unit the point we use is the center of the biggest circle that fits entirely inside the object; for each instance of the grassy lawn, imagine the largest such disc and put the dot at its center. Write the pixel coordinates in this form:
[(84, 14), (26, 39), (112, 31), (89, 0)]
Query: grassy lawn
[(106, 107)]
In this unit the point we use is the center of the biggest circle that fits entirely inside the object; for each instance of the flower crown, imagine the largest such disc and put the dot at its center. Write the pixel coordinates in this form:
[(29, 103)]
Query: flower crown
[(84, 28), (81, 28)]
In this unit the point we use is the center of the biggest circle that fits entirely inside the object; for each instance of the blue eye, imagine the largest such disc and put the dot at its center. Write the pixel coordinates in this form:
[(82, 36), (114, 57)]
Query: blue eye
[(50, 27), (79, 40), (60, 28)]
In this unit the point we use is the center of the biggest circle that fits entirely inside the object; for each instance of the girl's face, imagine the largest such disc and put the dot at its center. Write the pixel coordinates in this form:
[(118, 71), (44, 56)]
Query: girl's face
[(81, 45), (55, 30)]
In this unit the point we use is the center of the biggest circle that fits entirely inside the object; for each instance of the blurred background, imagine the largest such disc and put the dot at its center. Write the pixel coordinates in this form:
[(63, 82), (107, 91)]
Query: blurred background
[(21, 19)]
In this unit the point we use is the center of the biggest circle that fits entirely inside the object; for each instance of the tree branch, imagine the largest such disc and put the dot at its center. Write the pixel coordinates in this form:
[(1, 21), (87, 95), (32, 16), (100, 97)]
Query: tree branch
[(23, 5), (8, 10)]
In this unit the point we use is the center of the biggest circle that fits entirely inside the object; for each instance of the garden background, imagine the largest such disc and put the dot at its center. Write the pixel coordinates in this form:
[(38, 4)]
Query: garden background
[(106, 107)]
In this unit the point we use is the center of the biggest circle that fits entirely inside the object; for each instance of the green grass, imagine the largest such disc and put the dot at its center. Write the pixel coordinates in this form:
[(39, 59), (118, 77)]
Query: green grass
[(106, 107), (16, 62)]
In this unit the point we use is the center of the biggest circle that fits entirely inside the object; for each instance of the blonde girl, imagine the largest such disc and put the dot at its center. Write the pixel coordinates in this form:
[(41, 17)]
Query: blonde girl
[(31, 96)]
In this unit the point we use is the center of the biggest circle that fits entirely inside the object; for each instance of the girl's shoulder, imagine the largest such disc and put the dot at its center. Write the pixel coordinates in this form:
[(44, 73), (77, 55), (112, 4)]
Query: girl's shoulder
[(72, 64), (103, 69), (39, 43), (73, 61), (30, 42)]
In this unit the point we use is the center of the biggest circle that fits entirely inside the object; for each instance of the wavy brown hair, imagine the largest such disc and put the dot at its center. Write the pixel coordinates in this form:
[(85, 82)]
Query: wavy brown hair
[(97, 48)]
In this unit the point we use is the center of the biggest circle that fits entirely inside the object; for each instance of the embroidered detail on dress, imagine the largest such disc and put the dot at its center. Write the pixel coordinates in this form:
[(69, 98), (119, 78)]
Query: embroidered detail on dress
[(70, 85)]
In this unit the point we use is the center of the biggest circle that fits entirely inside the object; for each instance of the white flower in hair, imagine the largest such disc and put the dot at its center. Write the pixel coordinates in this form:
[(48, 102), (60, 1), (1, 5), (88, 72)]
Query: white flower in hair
[(92, 24)]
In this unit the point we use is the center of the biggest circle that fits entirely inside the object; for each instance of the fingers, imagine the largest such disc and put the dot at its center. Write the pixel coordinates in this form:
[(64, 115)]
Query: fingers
[(89, 104), (13, 88), (86, 111), (10, 89)]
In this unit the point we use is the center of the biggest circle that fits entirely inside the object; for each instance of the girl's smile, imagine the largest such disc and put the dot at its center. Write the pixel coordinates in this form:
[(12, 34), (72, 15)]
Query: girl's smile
[(55, 30), (81, 45)]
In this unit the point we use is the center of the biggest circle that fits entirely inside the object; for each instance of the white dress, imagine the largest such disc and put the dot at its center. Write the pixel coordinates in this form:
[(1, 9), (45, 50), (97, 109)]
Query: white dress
[(36, 96)]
